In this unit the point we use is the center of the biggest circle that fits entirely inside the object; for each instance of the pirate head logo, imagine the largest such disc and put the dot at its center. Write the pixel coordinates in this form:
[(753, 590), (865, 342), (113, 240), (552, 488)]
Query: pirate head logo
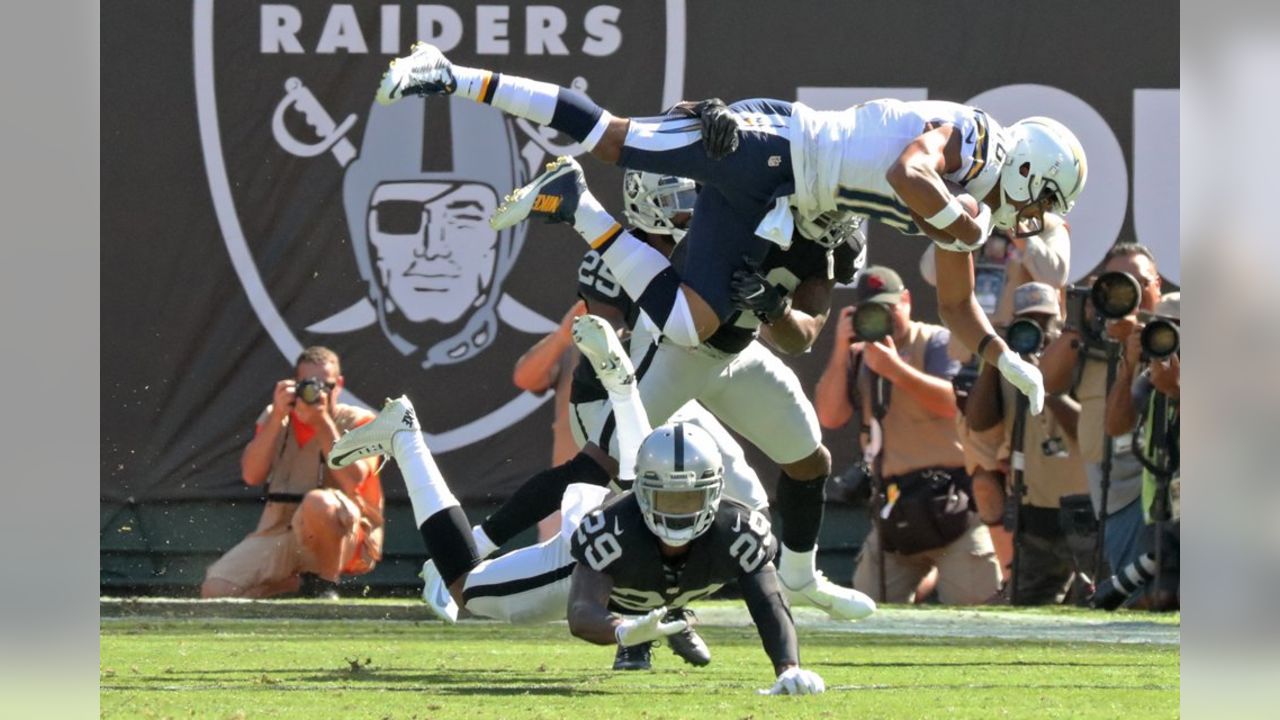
[(417, 201), (365, 227)]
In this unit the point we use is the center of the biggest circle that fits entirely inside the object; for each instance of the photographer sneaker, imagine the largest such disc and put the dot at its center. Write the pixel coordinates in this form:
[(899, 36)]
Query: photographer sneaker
[(374, 437), (424, 71), (600, 344), (841, 603), (553, 195)]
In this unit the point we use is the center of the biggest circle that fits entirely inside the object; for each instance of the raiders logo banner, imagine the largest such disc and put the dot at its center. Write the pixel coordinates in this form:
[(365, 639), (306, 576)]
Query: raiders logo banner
[(256, 200)]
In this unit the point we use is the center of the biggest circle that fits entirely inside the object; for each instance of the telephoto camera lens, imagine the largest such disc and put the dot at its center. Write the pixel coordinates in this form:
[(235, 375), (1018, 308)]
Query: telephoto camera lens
[(1024, 336), (1161, 338), (872, 322), (1116, 294)]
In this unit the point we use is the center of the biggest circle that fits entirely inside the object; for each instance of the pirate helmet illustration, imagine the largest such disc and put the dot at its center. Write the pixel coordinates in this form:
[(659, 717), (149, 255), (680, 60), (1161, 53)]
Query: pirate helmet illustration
[(418, 199)]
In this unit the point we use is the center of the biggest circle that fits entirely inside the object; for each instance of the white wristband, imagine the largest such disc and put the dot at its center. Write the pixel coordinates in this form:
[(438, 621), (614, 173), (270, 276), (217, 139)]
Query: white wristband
[(948, 214)]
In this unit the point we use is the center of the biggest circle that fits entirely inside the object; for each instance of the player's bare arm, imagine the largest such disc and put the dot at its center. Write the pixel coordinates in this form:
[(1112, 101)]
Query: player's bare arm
[(539, 367), (985, 407), (798, 329), (916, 177), (589, 616), (959, 308)]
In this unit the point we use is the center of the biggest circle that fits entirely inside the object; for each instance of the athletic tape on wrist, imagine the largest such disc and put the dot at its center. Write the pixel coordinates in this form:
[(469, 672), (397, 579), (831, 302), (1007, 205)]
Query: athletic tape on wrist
[(947, 215)]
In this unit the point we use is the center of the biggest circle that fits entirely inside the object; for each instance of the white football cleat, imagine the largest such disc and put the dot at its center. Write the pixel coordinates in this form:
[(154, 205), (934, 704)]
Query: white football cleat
[(841, 603), (600, 344), (436, 595), (424, 71), (374, 437), (553, 196)]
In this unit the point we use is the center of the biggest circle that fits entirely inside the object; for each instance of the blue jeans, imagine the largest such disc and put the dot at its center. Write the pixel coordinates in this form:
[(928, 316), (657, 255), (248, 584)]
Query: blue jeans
[(1125, 538)]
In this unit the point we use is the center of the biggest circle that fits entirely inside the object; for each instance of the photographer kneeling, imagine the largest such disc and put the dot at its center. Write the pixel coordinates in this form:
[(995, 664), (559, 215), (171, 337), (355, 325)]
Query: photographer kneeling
[(1044, 452), (318, 523), (897, 374)]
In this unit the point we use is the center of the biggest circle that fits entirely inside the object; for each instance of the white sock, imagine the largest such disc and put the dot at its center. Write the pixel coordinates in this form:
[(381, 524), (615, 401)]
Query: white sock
[(798, 568), (592, 221), (428, 491), (635, 264), (529, 99), (632, 428), (484, 546), (471, 81)]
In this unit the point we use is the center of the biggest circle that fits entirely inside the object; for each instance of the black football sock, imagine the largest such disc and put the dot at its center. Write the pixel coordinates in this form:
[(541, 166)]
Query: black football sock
[(447, 535), (540, 496), (799, 504)]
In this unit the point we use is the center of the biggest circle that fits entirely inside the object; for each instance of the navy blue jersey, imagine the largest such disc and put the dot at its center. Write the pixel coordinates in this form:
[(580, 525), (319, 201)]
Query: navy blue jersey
[(614, 540), (786, 269)]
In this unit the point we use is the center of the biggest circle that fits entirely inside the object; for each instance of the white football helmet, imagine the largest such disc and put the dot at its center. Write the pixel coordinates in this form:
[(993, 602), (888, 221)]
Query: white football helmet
[(650, 201), (833, 228), (679, 479), (1055, 164)]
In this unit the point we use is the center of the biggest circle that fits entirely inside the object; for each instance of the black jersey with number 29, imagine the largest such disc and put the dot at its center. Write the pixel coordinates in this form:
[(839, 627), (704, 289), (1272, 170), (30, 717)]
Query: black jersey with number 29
[(614, 540)]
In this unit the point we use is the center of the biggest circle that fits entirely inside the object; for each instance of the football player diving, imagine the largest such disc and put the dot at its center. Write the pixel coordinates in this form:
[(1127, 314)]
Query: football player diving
[(619, 568), (912, 165), (769, 170)]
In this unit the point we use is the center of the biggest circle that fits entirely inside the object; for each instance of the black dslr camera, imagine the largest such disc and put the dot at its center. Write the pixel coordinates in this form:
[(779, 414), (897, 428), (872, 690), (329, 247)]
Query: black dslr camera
[(872, 322), (311, 390), (1113, 295)]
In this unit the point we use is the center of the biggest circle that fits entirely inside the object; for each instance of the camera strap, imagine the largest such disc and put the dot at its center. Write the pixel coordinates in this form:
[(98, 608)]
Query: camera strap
[(284, 444)]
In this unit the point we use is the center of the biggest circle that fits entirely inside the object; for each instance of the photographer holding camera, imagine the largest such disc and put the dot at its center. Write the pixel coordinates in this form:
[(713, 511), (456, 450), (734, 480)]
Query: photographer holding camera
[(1145, 400), (1077, 363), (1044, 464), (318, 523), (895, 373)]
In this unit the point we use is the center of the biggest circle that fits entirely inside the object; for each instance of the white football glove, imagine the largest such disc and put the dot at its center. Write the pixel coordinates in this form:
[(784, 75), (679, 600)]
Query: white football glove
[(647, 629), (1024, 376), (795, 681)]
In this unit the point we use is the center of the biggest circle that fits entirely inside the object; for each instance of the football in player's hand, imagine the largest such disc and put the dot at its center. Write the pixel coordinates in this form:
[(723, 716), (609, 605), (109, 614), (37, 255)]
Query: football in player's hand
[(968, 201)]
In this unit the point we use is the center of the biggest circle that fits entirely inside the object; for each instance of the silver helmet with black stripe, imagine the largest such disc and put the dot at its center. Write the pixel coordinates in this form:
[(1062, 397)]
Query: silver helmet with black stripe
[(679, 481)]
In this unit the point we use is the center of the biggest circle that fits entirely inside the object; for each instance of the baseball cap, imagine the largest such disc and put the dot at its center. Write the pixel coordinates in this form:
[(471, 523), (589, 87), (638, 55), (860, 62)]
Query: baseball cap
[(1035, 297), (878, 284)]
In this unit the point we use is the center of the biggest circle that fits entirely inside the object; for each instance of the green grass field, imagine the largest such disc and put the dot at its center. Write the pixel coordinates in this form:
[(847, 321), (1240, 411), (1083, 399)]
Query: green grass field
[(902, 663)]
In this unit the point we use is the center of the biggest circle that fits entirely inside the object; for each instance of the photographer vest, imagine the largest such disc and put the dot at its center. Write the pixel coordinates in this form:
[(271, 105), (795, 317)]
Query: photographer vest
[(1047, 475), (298, 466), (1126, 472), (914, 438)]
